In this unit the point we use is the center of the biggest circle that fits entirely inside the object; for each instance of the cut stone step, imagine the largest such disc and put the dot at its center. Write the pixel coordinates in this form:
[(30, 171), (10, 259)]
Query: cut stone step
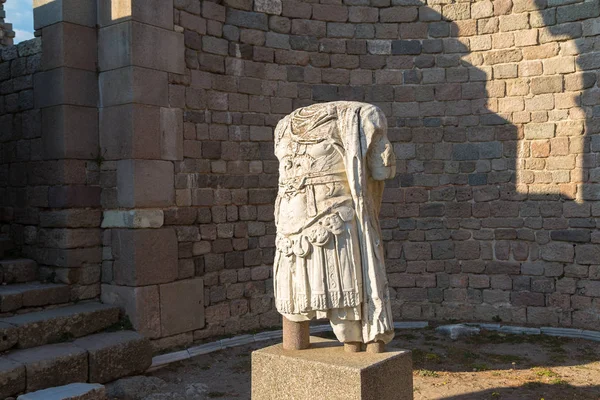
[(18, 270), (9, 336), (60, 324), (35, 294), (6, 245), (13, 377), (52, 365), (114, 355), (101, 358), (74, 391)]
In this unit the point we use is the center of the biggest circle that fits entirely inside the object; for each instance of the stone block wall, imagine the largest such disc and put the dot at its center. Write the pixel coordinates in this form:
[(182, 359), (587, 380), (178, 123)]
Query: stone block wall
[(493, 110), (50, 193), (20, 140)]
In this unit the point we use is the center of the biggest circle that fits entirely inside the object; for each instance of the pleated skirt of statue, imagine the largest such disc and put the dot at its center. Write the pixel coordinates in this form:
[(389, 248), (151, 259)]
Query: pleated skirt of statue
[(319, 275)]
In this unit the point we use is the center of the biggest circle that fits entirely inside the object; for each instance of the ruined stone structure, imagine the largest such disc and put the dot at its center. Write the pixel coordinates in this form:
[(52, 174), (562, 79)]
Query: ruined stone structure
[(6, 33), (137, 152)]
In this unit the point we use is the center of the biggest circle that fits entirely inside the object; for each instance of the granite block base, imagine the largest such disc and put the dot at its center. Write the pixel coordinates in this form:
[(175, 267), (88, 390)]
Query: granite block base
[(326, 371)]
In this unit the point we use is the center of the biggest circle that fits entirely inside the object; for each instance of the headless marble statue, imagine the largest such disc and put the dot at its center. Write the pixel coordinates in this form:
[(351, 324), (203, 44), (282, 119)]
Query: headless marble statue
[(329, 261)]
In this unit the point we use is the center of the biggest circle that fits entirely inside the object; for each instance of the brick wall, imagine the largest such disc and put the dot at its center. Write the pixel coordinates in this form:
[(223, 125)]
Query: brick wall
[(492, 108)]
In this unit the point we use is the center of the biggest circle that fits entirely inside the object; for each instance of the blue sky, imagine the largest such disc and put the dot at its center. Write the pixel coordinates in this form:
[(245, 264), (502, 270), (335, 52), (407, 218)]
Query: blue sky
[(20, 14)]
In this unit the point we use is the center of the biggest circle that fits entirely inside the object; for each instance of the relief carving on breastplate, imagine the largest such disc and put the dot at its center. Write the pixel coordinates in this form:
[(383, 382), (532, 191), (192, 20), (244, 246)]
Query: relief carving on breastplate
[(318, 233)]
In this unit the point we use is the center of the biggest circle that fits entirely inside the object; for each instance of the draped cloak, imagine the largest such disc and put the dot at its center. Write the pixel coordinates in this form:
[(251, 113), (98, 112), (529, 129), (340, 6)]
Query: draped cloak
[(363, 131)]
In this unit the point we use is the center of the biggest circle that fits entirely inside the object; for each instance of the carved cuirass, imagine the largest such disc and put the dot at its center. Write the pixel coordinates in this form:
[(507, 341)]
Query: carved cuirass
[(314, 215)]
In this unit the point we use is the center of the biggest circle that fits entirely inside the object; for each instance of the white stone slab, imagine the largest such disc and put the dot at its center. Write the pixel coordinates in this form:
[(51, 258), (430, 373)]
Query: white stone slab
[(591, 335), (237, 341), (74, 391), (259, 337), (490, 327), (411, 325), (561, 332), (519, 330), (320, 328), (457, 331), (165, 359), (205, 348)]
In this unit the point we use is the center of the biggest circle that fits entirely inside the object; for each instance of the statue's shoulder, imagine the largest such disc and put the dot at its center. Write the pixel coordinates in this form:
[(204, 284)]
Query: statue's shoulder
[(281, 128), (350, 107)]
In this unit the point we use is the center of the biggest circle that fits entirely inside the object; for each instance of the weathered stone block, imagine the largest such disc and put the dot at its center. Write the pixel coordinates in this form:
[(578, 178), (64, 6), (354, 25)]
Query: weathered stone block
[(539, 131), (70, 132), (134, 85), (133, 219), (171, 134), (40, 328), (69, 45), (268, 6), (73, 391), (399, 14), (527, 299), (144, 256), (182, 306), (153, 12), (406, 47), (130, 131), (53, 365), (18, 270), (514, 22), (587, 254), (213, 11), (74, 196), (547, 84), (32, 295), (326, 368), (71, 218), (49, 12), (141, 304), (8, 338), (591, 192), (558, 252), (66, 86), (116, 354), (13, 377), (309, 28), (465, 151), (574, 12), (330, 12), (135, 44), (145, 183), (245, 19)]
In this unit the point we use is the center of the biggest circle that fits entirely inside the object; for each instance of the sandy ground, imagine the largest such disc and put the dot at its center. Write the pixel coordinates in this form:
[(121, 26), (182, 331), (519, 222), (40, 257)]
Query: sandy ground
[(487, 366)]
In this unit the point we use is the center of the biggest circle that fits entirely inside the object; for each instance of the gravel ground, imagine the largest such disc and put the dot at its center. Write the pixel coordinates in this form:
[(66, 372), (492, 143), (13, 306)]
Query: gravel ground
[(487, 366)]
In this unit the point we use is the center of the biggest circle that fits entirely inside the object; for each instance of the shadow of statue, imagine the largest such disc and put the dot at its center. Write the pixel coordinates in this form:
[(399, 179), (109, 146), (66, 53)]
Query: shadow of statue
[(533, 391)]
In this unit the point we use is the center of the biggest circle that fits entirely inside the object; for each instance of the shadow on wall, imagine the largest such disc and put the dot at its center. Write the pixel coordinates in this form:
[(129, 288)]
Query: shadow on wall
[(579, 54), (530, 130)]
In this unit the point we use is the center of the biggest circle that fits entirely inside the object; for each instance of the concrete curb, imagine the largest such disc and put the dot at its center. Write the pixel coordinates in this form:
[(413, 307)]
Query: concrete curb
[(165, 359)]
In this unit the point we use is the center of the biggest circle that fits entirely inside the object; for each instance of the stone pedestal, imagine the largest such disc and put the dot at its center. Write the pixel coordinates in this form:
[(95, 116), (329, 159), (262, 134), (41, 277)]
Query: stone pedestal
[(326, 371)]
